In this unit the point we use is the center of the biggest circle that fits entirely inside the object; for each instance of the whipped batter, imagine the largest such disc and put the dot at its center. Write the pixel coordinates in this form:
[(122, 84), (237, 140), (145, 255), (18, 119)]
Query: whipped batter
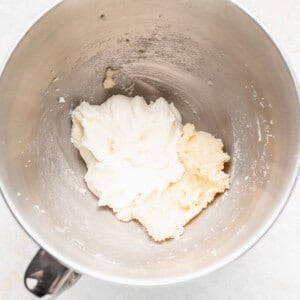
[(144, 164)]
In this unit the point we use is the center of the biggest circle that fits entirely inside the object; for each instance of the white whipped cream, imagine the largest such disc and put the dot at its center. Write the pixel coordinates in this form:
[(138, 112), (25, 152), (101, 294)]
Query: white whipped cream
[(145, 165)]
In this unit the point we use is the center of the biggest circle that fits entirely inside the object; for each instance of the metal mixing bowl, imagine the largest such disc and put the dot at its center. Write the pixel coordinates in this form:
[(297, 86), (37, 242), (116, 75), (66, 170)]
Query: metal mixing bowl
[(224, 74)]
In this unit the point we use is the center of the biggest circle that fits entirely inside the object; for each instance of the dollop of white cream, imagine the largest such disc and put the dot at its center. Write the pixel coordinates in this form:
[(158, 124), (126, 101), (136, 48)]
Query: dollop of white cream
[(145, 165), (129, 148)]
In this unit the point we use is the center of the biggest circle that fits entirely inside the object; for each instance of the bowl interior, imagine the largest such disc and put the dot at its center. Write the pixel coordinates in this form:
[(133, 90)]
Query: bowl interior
[(223, 73)]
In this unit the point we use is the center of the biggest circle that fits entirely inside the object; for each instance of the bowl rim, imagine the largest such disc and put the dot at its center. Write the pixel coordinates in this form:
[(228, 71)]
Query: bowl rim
[(251, 242)]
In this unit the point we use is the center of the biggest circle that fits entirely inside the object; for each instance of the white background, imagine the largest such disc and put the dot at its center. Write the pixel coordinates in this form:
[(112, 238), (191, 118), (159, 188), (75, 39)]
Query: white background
[(271, 270)]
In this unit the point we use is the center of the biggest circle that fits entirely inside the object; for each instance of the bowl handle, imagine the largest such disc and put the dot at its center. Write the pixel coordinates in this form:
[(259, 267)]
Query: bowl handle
[(46, 276)]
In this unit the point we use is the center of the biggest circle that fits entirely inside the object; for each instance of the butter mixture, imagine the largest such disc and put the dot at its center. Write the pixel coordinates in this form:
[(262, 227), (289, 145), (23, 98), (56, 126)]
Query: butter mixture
[(145, 165)]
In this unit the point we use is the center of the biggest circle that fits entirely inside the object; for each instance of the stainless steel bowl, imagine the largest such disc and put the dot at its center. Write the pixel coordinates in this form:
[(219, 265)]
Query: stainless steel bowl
[(222, 71)]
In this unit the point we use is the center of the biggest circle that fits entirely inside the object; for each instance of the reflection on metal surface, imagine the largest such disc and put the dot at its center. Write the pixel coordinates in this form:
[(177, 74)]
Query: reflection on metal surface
[(46, 276)]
